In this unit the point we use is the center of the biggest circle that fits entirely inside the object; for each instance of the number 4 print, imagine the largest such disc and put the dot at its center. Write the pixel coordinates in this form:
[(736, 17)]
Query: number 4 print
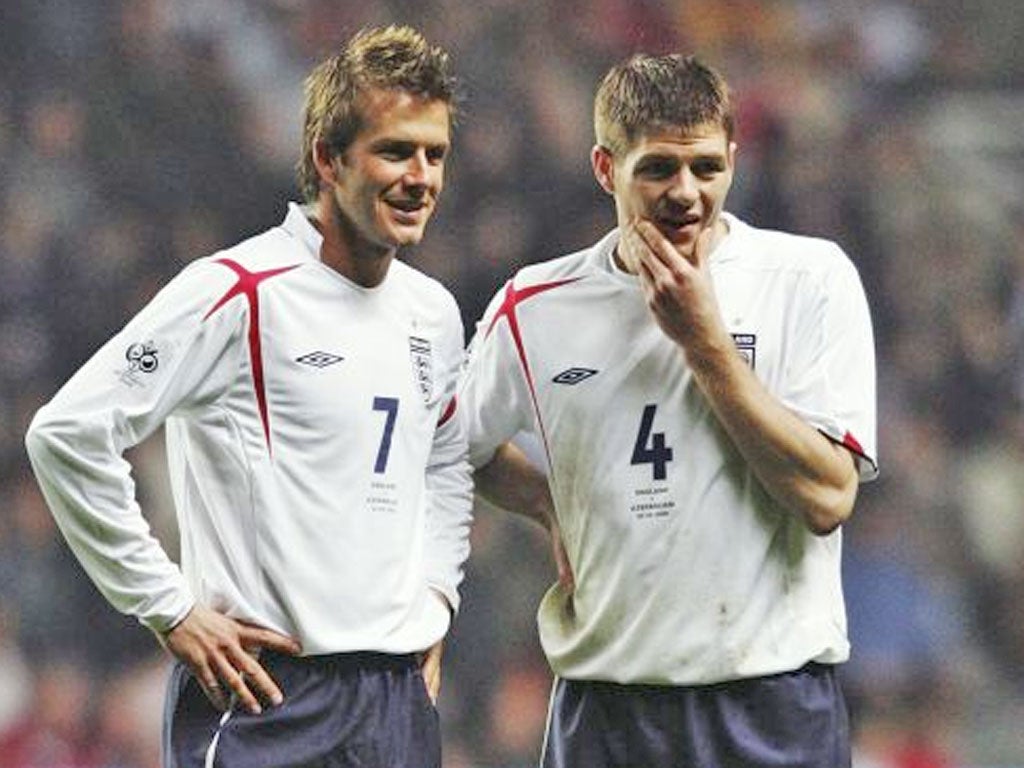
[(390, 406), (650, 447)]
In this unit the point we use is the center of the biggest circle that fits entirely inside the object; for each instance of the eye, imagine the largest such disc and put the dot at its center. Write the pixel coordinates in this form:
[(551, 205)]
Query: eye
[(395, 150), (708, 167), (656, 168), (436, 155)]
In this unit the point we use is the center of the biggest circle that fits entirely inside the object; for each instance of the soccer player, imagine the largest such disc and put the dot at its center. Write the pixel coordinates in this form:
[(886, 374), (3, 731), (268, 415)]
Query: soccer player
[(307, 382), (703, 394)]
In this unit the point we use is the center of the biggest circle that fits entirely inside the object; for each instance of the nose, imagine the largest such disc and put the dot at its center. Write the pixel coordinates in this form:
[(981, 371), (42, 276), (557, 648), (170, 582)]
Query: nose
[(684, 189), (416, 172)]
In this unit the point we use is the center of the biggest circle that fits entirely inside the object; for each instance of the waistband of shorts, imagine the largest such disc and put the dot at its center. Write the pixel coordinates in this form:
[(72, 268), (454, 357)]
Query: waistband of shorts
[(350, 659), (811, 668)]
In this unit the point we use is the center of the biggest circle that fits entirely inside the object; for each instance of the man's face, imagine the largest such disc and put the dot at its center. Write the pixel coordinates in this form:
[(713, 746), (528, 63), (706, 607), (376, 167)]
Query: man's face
[(678, 180), (390, 176)]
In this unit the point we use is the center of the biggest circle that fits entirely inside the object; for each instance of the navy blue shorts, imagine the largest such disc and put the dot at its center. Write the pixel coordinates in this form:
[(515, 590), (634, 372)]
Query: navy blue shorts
[(359, 710), (796, 720)]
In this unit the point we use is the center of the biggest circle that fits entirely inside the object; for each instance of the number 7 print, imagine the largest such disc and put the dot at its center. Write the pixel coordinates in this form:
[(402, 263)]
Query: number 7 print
[(390, 406)]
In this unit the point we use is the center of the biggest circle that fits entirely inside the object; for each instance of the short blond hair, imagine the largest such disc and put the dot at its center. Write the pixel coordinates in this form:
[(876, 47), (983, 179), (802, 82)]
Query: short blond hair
[(645, 93), (391, 58)]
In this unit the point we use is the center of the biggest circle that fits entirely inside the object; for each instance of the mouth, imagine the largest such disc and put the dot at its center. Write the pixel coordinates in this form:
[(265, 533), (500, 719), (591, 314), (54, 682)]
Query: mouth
[(407, 211), (407, 206), (677, 224)]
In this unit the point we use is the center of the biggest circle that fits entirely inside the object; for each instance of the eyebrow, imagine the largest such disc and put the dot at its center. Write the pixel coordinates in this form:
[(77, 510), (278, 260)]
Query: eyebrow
[(393, 142), (655, 158)]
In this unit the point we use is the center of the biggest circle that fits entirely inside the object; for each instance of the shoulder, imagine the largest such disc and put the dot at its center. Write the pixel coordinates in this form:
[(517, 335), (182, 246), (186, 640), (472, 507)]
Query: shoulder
[(405, 274), (569, 267), (237, 269), (421, 286), (548, 279), (787, 251), (270, 249)]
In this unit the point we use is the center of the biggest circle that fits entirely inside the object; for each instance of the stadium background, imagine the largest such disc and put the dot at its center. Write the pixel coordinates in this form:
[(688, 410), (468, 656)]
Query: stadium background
[(136, 135)]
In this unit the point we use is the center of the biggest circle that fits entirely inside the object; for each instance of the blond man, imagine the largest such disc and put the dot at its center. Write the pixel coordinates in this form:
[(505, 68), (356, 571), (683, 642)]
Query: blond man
[(306, 379)]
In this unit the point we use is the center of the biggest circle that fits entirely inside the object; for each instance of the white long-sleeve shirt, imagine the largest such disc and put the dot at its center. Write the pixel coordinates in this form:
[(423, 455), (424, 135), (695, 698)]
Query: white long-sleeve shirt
[(318, 470), (686, 571)]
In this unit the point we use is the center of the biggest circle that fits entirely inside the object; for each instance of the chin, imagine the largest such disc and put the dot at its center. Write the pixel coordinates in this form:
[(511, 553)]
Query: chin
[(400, 242), (407, 236)]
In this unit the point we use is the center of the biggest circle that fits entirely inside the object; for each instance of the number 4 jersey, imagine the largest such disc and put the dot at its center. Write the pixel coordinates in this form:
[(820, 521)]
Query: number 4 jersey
[(686, 571), (319, 474)]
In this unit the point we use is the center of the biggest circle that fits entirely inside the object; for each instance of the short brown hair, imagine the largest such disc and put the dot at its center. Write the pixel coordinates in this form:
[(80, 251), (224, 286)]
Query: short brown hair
[(650, 92), (391, 58)]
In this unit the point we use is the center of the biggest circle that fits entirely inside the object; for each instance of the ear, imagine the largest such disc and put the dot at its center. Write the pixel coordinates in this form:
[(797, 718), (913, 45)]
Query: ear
[(323, 160), (603, 163)]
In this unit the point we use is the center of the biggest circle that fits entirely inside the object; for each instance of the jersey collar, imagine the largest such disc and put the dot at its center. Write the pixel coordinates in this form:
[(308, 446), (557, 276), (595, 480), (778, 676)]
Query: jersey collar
[(298, 225)]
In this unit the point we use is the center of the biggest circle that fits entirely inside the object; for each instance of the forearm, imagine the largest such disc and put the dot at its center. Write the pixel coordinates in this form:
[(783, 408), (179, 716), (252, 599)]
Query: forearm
[(87, 486), (449, 489), (510, 481), (800, 468)]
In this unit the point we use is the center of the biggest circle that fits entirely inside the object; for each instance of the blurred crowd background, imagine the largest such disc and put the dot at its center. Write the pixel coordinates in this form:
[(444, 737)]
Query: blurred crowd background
[(136, 135)]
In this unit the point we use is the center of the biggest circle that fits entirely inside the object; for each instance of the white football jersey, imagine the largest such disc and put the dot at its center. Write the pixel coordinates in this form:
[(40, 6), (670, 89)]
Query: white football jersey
[(686, 571), (319, 476)]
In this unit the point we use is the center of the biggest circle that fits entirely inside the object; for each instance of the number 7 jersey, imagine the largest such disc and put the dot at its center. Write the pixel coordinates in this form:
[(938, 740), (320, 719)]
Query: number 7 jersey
[(319, 474), (686, 571)]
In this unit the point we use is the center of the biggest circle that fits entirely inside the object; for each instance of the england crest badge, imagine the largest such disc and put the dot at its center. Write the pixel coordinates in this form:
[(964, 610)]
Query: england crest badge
[(422, 366), (746, 345)]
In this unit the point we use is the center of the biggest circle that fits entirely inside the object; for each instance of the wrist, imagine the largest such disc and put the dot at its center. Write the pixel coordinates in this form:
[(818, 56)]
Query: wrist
[(712, 356)]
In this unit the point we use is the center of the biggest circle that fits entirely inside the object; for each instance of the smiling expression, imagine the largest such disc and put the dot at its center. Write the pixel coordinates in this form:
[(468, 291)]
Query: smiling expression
[(387, 181)]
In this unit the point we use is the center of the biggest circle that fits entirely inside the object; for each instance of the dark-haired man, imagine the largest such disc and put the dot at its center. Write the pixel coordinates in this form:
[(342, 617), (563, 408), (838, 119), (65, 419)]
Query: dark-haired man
[(703, 392)]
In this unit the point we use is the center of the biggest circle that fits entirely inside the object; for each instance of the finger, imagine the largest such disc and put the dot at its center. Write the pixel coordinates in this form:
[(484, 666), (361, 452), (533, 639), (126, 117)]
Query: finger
[(565, 577), (637, 247), (235, 681), (431, 670), (676, 263), (211, 687), (561, 556), (253, 638), (656, 244), (702, 247), (648, 283), (217, 697), (629, 246), (653, 259), (256, 676)]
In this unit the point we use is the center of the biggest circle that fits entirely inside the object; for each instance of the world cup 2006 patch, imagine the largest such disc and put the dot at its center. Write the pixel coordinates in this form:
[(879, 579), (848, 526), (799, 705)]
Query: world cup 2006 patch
[(142, 357)]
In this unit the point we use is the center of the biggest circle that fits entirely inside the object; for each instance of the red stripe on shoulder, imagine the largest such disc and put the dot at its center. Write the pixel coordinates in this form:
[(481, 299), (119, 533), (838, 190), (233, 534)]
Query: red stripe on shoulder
[(247, 285), (513, 298)]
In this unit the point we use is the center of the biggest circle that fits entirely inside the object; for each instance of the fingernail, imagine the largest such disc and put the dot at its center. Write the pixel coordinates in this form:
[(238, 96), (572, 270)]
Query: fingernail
[(277, 699), (256, 709)]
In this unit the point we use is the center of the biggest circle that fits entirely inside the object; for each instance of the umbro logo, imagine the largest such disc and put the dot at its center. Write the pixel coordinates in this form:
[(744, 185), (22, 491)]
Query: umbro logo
[(574, 375), (319, 359)]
